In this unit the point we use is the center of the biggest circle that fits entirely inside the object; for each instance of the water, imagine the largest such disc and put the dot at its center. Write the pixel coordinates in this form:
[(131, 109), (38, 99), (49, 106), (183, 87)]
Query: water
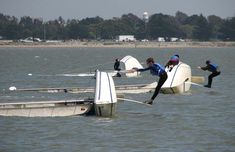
[(200, 120)]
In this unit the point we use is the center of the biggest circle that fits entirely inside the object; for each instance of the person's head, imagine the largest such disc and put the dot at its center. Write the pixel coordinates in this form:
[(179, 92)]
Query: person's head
[(208, 61), (117, 59), (150, 61), (177, 55)]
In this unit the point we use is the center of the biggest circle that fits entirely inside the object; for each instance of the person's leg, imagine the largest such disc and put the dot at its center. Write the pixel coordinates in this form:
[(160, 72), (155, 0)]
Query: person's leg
[(162, 79), (209, 81), (210, 78)]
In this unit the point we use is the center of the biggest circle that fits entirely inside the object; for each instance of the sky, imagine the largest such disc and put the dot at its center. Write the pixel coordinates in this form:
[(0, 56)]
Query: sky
[(107, 9)]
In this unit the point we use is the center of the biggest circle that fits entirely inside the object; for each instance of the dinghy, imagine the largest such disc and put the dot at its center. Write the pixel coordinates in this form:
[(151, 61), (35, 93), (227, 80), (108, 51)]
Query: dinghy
[(103, 104), (177, 78), (127, 63), (46, 108)]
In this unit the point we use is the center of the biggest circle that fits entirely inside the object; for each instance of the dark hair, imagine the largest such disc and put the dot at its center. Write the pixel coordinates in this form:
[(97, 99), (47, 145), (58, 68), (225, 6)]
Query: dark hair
[(177, 55), (150, 60), (208, 62)]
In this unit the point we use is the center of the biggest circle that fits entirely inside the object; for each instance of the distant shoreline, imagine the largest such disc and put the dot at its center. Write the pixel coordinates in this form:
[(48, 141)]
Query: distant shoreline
[(112, 44)]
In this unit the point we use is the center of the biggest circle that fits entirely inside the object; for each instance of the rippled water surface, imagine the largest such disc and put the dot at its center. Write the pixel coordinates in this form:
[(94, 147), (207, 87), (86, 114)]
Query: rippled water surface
[(200, 120)]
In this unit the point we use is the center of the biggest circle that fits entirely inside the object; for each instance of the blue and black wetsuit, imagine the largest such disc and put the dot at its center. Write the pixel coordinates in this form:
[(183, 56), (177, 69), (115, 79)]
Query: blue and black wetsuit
[(157, 70), (215, 72)]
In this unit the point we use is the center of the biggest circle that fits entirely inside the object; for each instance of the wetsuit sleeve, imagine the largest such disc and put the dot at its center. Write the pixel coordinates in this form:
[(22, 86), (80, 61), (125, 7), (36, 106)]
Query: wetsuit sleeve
[(145, 69), (205, 68)]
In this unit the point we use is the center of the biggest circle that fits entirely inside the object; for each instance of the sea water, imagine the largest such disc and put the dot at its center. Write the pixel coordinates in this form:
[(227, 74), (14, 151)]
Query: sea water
[(202, 119)]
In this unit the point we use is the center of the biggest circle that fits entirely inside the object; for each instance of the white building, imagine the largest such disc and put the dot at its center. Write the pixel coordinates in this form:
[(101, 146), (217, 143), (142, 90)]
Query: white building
[(161, 39), (126, 38)]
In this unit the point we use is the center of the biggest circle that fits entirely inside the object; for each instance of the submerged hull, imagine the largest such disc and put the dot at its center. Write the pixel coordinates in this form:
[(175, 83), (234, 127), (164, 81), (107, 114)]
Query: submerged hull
[(106, 110), (46, 108)]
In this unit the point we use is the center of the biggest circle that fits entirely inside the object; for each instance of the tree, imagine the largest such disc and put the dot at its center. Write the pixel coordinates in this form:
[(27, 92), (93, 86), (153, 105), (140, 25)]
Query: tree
[(215, 24), (202, 30), (228, 30), (181, 17), (92, 25), (160, 25), (135, 25), (9, 27), (76, 30)]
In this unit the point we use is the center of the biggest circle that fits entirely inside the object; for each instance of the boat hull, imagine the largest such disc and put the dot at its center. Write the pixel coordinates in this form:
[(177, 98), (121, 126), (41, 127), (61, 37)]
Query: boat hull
[(105, 95), (177, 78), (105, 110), (46, 109)]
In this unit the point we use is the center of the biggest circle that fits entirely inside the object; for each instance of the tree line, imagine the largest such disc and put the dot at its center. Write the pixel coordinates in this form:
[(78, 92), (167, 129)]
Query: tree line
[(195, 27)]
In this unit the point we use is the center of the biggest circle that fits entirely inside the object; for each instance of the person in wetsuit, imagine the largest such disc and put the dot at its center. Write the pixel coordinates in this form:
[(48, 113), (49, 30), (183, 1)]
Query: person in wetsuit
[(213, 68), (174, 60), (117, 67), (156, 69)]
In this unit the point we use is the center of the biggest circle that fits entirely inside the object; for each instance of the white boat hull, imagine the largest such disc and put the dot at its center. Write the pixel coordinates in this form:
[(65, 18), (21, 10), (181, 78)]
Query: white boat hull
[(105, 95), (46, 108), (177, 78), (106, 110)]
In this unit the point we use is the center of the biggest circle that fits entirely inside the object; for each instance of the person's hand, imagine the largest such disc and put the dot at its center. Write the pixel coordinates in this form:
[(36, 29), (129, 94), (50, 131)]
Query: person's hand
[(131, 70), (199, 67), (135, 69)]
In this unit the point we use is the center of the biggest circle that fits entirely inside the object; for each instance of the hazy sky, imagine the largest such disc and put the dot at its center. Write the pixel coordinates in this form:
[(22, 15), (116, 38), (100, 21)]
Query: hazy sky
[(79, 9)]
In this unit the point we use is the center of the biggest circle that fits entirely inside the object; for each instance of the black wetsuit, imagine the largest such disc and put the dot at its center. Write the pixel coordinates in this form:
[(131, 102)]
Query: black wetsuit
[(117, 68), (215, 72)]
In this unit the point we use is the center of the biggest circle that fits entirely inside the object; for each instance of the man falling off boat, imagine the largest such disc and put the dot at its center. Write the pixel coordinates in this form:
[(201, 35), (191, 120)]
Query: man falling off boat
[(213, 68), (156, 69)]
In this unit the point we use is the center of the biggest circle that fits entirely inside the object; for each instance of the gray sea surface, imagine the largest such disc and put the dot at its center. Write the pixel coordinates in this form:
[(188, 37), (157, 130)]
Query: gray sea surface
[(201, 120)]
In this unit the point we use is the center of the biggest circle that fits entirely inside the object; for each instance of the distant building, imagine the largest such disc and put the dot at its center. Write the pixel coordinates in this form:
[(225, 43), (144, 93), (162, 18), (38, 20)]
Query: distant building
[(161, 39), (174, 39), (126, 38)]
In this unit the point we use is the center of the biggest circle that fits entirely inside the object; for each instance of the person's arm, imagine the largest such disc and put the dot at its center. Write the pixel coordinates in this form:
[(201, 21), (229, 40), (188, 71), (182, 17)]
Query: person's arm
[(144, 69), (203, 68), (136, 69)]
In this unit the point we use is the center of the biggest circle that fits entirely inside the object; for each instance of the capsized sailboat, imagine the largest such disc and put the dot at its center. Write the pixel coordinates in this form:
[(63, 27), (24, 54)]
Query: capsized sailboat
[(127, 63), (177, 78), (103, 104)]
